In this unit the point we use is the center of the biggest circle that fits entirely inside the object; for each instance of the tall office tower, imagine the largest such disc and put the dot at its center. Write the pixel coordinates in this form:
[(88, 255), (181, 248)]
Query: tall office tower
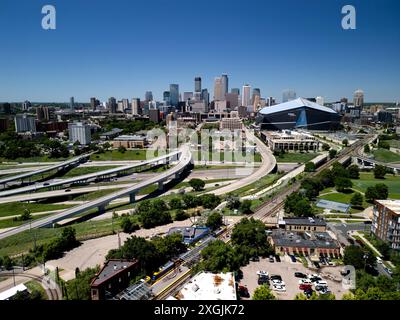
[(187, 96), (197, 84), (71, 102), (174, 94), (26, 105), (205, 96), (218, 89), (120, 106), (125, 104), (25, 123), (256, 103), (93, 103), (246, 95), (288, 95), (270, 101), (154, 115), (224, 85), (197, 96), (256, 92), (320, 100), (112, 105), (79, 131), (235, 90), (167, 98), (135, 106), (148, 96), (233, 100), (42, 113), (358, 99)]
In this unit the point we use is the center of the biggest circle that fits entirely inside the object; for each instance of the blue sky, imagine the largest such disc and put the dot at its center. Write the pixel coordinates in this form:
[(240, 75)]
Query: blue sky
[(122, 48)]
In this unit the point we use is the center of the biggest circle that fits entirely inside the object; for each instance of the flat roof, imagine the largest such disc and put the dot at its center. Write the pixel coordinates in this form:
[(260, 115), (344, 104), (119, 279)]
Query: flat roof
[(305, 221), (333, 205), (111, 268), (130, 138), (303, 239), (209, 286), (294, 104), (393, 205), (5, 295)]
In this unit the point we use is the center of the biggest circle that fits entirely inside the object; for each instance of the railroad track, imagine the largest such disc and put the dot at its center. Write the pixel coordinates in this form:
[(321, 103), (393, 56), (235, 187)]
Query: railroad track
[(51, 293)]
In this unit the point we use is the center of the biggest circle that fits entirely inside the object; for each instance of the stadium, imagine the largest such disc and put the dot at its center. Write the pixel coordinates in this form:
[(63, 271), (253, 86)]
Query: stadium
[(298, 114)]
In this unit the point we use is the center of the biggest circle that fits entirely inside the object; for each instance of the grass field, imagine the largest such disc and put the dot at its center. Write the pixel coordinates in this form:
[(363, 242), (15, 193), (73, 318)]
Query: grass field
[(258, 185), (296, 157), (385, 155), (94, 195), (35, 159), (394, 143), (115, 155), (367, 179), (34, 285), (17, 208), (79, 171), (11, 223)]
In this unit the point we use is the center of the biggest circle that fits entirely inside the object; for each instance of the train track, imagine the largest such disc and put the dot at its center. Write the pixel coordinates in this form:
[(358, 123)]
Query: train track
[(51, 293), (264, 211)]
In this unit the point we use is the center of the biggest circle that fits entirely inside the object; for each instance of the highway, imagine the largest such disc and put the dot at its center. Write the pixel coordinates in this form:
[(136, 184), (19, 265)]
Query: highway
[(184, 160), (86, 177), (46, 169), (268, 164)]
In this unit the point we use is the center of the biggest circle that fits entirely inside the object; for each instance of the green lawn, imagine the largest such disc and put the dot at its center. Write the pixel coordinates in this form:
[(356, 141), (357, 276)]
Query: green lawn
[(35, 159), (394, 143), (296, 157), (95, 194), (79, 171), (367, 179), (34, 285), (258, 185), (11, 223), (127, 155), (385, 155), (17, 208)]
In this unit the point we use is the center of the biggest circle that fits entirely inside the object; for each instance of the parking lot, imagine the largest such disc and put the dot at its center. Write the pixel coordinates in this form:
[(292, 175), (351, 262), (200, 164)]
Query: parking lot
[(286, 269)]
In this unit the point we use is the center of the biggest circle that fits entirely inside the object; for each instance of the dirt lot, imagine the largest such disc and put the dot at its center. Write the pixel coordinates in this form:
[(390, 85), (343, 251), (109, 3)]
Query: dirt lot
[(286, 269)]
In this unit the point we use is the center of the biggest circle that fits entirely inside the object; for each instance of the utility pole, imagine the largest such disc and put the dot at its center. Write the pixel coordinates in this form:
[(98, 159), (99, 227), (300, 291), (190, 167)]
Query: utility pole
[(13, 276)]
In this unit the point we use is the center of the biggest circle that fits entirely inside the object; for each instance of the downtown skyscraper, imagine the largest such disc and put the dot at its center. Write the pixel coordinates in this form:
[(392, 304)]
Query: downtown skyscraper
[(246, 95), (174, 94)]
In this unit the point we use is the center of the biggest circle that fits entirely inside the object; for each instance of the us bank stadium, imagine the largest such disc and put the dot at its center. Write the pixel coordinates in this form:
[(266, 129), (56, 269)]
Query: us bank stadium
[(298, 114)]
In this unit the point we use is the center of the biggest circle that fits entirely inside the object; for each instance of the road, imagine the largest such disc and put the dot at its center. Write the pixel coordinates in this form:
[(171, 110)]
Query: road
[(86, 177), (268, 164), (46, 169), (184, 160)]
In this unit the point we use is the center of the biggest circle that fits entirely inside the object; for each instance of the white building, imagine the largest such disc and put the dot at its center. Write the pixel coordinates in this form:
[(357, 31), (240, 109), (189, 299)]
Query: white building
[(79, 131), (246, 101), (209, 286), (135, 106), (25, 123), (8, 294)]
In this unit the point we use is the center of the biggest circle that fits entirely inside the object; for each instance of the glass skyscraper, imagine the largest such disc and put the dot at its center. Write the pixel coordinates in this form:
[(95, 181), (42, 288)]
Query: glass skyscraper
[(174, 94)]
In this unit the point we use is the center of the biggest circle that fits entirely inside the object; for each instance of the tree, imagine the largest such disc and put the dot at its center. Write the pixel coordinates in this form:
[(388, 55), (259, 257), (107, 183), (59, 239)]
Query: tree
[(300, 296), (214, 221), (325, 147), (367, 149), (233, 202), (197, 184), (332, 153), (181, 215), (79, 288), (219, 257), (303, 209), (383, 144), (354, 172), (358, 257), (26, 215), (7, 263), (209, 201), (357, 200), (342, 183), (245, 207), (121, 149), (128, 226), (309, 167), (379, 191), (175, 203), (379, 172), (263, 293), (190, 201), (345, 142)]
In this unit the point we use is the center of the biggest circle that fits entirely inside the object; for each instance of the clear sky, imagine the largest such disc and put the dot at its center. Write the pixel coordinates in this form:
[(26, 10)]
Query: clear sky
[(122, 48)]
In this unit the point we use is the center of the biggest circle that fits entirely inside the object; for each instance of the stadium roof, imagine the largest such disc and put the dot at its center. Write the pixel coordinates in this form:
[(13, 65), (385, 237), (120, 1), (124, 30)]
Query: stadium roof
[(298, 103)]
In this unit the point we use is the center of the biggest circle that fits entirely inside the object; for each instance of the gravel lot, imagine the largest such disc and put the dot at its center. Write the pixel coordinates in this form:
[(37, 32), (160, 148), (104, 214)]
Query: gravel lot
[(286, 269)]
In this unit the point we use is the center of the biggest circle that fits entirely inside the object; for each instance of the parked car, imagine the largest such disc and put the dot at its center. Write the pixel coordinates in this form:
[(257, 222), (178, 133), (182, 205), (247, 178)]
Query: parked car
[(275, 277), (305, 286), (388, 270), (271, 259), (243, 292), (325, 291), (315, 279), (321, 288), (46, 184), (278, 282), (308, 293), (305, 281), (263, 280), (321, 283), (262, 273), (300, 275), (293, 258), (316, 264), (280, 288), (379, 260), (67, 190), (255, 259), (277, 258)]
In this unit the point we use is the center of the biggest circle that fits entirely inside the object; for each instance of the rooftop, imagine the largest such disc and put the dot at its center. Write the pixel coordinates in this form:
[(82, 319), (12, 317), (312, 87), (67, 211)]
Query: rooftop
[(111, 268), (298, 103), (130, 138), (393, 205), (304, 221), (5, 295), (209, 286), (303, 239)]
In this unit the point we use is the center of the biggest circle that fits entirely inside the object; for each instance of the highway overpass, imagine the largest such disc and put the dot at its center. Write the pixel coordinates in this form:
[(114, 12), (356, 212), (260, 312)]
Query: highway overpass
[(185, 159), (61, 165), (89, 176)]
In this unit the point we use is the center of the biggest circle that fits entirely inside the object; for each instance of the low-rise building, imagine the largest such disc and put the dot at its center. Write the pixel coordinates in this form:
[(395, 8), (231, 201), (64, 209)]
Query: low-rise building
[(190, 234), (290, 140), (303, 224), (303, 243), (114, 277), (234, 123), (115, 132), (130, 142), (10, 293), (209, 286), (386, 221)]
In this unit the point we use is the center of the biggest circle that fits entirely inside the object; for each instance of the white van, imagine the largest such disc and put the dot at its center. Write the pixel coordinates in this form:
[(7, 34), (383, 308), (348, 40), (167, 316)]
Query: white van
[(379, 260)]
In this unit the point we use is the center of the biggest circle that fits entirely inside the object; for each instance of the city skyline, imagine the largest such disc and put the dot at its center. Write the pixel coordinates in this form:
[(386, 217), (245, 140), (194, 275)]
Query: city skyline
[(105, 53)]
